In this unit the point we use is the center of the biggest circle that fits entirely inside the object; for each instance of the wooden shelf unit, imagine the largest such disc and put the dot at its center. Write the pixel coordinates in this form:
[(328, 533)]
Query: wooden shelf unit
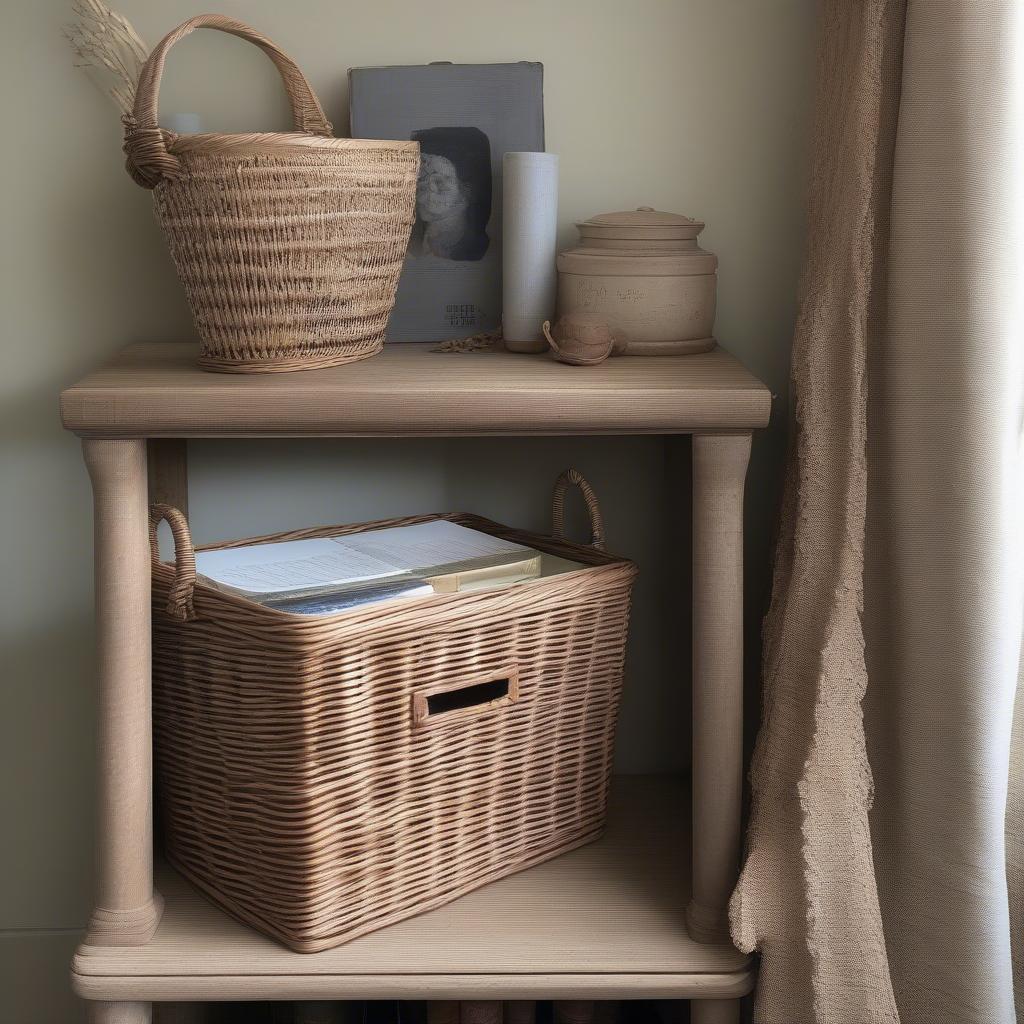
[(629, 916), (597, 923)]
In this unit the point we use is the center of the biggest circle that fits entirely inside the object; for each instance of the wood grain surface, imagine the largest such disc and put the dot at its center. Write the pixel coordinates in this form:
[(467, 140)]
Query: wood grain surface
[(605, 921), (157, 390)]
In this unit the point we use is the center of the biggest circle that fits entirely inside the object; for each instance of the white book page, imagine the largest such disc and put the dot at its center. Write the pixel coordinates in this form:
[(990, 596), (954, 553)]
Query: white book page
[(260, 569), (322, 563), (426, 546)]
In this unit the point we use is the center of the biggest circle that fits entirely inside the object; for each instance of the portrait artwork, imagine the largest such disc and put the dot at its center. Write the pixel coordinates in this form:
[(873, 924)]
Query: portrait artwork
[(465, 118), (453, 194)]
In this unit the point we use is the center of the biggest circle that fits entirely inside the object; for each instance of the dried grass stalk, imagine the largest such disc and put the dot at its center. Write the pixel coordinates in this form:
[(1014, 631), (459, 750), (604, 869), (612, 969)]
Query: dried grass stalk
[(108, 49)]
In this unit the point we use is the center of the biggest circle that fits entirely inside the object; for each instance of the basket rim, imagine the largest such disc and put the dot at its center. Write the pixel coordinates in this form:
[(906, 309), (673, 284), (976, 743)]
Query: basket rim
[(593, 562), (209, 142), (594, 556)]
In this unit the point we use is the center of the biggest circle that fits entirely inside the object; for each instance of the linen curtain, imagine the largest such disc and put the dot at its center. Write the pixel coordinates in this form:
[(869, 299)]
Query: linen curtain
[(886, 816)]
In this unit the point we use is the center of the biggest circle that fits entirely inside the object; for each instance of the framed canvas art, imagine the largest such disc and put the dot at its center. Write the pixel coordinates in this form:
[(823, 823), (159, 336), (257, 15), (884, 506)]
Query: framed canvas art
[(465, 118)]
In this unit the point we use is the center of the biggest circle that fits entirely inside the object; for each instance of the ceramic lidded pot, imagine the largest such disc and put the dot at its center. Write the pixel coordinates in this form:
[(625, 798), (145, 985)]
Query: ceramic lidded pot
[(645, 274)]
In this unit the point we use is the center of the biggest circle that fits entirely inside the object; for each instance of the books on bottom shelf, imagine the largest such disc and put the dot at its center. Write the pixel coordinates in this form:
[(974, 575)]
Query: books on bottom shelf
[(321, 576)]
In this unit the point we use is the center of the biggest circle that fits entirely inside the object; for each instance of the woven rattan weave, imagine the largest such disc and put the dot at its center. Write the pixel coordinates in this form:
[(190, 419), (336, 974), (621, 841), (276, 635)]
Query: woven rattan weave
[(289, 245), (322, 777)]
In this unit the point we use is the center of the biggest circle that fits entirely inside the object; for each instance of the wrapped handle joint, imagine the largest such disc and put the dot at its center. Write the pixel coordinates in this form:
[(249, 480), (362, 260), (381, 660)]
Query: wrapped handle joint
[(149, 161)]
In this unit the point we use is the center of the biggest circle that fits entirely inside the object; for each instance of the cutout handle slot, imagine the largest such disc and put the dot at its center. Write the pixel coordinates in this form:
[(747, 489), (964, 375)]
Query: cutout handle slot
[(454, 702)]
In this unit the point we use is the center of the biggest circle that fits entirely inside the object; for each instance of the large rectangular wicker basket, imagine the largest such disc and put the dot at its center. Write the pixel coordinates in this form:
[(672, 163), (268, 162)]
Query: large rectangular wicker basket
[(322, 777)]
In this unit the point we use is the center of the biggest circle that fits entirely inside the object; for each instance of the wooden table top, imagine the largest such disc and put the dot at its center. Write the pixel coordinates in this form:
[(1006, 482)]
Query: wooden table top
[(155, 389)]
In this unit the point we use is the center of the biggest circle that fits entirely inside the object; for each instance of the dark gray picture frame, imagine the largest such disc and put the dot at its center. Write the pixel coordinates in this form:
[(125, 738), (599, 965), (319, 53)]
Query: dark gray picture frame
[(465, 117)]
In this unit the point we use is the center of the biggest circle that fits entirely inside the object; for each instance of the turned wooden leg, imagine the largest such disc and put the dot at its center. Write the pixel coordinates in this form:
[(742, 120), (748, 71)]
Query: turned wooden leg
[(715, 1011), (120, 1013), (719, 469), (127, 909)]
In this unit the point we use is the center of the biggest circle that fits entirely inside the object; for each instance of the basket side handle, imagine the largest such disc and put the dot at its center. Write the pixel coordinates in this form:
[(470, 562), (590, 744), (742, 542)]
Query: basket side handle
[(145, 143), (576, 478), (179, 599)]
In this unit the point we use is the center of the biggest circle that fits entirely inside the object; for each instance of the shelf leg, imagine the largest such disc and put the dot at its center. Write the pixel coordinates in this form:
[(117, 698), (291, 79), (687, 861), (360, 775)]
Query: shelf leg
[(719, 470), (120, 1013), (127, 908), (167, 462), (715, 1011)]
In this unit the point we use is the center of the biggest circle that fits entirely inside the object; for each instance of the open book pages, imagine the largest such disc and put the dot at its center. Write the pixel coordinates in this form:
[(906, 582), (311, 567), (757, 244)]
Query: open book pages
[(411, 554), (354, 597), (463, 582)]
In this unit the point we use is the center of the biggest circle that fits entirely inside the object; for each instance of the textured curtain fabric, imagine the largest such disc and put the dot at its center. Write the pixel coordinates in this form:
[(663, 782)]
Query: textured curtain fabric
[(943, 600), (1015, 843), (893, 640)]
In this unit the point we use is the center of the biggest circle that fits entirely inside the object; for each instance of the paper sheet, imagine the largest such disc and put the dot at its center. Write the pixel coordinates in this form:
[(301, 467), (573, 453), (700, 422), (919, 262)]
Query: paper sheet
[(299, 565), (305, 566), (425, 546)]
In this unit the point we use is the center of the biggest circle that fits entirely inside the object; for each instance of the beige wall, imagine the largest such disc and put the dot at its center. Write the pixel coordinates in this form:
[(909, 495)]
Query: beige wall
[(695, 106)]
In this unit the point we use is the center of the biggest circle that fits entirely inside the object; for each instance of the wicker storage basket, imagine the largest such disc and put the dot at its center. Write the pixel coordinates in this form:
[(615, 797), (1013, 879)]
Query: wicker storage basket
[(322, 777), (289, 245)]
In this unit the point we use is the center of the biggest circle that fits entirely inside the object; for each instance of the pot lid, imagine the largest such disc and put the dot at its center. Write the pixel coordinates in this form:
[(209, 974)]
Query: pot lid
[(643, 216), (642, 228), (647, 234), (644, 224)]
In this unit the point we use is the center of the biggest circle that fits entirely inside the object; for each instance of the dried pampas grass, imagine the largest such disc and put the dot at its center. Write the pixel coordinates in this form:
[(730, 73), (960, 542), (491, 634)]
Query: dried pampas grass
[(108, 49)]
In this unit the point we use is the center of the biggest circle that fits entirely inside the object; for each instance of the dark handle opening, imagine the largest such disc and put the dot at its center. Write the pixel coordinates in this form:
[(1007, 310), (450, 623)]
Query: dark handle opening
[(469, 697), (456, 701)]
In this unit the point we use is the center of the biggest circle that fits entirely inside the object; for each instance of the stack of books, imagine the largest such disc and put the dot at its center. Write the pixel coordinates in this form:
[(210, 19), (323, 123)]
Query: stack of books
[(330, 574)]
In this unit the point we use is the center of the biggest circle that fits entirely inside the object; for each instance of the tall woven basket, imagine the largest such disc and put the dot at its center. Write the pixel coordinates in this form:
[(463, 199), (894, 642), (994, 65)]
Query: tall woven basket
[(289, 245), (322, 777)]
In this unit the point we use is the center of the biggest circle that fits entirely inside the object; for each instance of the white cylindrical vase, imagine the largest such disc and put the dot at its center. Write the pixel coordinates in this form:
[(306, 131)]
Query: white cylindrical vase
[(529, 227)]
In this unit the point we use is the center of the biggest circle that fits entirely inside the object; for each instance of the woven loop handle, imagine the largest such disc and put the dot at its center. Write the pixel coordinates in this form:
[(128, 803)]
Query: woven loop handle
[(145, 143), (574, 476), (179, 600)]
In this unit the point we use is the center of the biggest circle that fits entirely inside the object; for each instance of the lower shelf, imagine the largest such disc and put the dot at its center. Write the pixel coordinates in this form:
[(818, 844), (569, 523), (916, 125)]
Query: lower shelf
[(602, 922)]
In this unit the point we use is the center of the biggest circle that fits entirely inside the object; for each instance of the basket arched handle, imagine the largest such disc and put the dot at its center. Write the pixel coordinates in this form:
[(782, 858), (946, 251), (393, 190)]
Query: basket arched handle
[(145, 143), (179, 599), (576, 478)]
